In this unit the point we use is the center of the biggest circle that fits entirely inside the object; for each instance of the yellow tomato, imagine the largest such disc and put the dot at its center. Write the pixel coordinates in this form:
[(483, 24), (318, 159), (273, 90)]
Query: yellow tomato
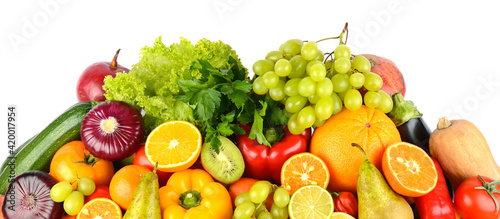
[(192, 193)]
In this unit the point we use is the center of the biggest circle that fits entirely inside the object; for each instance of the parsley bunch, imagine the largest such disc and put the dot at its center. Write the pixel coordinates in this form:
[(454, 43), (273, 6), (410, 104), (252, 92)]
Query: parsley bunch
[(222, 100)]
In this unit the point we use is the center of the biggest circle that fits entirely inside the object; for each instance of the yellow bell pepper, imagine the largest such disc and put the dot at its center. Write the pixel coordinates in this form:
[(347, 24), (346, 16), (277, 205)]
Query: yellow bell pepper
[(192, 193)]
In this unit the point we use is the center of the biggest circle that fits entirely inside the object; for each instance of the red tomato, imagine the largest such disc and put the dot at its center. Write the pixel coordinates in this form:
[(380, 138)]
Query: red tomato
[(471, 201), (140, 159), (101, 191), (72, 162), (240, 186)]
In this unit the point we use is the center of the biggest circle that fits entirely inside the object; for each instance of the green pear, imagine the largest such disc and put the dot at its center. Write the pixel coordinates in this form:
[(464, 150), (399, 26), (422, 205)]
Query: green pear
[(376, 199), (146, 200)]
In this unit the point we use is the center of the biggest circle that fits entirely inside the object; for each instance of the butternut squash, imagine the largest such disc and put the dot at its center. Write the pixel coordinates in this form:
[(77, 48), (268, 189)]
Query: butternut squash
[(462, 151)]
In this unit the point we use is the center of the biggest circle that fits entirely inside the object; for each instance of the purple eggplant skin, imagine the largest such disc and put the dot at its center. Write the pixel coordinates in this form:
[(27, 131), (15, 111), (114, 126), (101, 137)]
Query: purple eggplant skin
[(112, 130), (28, 197), (417, 132)]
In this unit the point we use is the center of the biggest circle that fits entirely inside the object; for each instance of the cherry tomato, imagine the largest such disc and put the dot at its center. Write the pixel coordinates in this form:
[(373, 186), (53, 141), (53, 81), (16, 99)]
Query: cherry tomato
[(72, 162), (240, 186), (101, 191), (473, 201), (140, 159)]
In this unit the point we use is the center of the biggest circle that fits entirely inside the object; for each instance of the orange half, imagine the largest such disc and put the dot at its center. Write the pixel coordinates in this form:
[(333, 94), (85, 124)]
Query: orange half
[(408, 169), (175, 145), (100, 208), (304, 169)]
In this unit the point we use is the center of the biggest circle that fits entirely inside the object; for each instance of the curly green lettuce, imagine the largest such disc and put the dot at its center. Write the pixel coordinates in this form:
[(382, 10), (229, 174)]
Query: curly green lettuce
[(152, 83)]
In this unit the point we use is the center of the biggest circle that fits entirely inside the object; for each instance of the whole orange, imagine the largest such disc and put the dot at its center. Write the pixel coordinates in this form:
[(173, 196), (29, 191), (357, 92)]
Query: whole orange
[(368, 127), (124, 183)]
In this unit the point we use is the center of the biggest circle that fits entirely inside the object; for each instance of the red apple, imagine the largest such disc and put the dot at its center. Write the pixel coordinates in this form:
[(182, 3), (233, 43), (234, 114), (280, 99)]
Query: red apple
[(389, 72), (89, 86)]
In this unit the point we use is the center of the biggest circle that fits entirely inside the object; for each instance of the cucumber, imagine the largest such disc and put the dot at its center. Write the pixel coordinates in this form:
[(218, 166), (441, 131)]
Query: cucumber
[(37, 153)]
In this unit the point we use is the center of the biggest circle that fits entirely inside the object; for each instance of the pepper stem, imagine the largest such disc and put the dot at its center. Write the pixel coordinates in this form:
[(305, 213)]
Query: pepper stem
[(490, 188), (272, 135), (189, 199), (403, 110), (335, 194)]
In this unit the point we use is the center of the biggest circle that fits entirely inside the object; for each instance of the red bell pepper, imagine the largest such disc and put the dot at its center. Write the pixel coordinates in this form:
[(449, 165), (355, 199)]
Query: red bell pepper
[(264, 162), (345, 202), (437, 203)]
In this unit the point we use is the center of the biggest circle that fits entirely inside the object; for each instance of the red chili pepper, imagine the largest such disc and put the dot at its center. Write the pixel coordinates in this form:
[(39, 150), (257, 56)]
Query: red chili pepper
[(345, 202), (264, 162), (437, 203)]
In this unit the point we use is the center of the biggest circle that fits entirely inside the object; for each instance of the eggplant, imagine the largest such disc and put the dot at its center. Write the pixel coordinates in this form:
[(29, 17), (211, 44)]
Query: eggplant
[(417, 132), (411, 126), (28, 196)]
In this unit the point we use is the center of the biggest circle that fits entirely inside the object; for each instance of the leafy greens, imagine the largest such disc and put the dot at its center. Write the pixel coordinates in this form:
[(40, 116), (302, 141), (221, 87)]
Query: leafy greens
[(205, 84)]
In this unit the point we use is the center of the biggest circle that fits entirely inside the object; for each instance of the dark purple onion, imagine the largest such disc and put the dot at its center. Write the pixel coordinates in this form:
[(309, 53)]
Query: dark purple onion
[(28, 196), (112, 130)]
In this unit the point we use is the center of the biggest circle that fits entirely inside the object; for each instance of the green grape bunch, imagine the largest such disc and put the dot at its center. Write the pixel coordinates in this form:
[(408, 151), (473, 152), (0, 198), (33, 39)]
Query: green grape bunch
[(313, 85), (252, 204)]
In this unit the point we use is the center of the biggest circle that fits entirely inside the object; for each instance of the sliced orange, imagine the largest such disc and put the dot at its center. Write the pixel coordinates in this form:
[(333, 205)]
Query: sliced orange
[(175, 145), (341, 215), (100, 208), (408, 169), (304, 169)]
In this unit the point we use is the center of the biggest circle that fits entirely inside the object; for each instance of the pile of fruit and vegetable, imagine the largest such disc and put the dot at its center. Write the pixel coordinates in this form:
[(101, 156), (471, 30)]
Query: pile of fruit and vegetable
[(189, 132)]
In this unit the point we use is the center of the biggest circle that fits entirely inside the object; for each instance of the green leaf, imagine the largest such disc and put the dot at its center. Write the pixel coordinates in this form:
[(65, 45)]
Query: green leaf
[(226, 89), (215, 143), (238, 97), (278, 117), (224, 129), (206, 101), (257, 130), (237, 129), (228, 117), (243, 86), (247, 113), (262, 112)]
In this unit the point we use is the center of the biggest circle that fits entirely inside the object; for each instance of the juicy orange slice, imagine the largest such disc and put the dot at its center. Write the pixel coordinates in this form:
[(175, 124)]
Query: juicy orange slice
[(100, 208), (408, 169), (304, 169), (175, 145)]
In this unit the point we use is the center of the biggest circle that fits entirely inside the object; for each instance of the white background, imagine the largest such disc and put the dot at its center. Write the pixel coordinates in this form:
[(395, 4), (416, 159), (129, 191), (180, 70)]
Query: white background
[(447, 51)]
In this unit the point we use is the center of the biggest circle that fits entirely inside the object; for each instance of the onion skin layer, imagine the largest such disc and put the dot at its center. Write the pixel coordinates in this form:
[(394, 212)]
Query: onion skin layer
[(28, 196), (113, 130)]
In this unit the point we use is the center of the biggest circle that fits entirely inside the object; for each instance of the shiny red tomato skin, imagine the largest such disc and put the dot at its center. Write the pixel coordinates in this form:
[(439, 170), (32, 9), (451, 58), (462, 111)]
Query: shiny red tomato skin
[(475, 203), (101, 191), (141, 160)]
